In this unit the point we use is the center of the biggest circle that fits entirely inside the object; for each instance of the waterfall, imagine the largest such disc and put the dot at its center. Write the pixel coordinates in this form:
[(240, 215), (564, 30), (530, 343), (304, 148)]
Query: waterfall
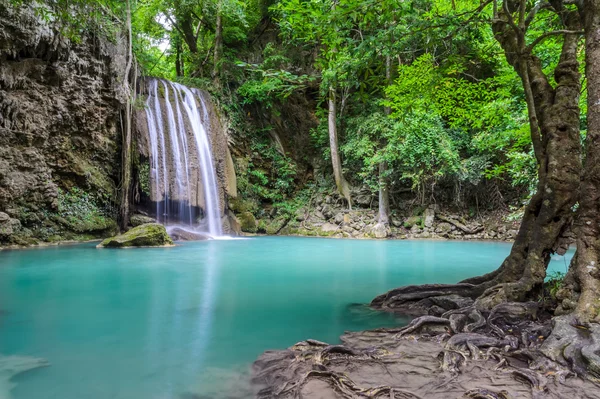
[(182, 171)]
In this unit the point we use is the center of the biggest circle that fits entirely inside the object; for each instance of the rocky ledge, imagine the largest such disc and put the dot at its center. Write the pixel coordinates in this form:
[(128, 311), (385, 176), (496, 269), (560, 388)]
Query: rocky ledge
[(327, 219), (145, 235)]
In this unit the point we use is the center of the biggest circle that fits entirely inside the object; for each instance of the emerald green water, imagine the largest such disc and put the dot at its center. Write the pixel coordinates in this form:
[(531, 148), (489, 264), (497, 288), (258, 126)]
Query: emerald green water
[(177, 322)]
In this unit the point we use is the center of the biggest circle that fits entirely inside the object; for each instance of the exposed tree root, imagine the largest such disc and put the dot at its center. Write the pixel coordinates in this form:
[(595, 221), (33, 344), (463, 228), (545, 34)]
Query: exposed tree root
[(510, 351)]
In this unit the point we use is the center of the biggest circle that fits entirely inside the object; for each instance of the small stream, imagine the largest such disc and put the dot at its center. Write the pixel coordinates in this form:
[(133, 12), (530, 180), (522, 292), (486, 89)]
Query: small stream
[(187, 322)]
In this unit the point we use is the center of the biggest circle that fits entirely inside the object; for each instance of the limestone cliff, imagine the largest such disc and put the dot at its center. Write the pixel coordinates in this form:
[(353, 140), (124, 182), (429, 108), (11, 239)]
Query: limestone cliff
[(60, 104)]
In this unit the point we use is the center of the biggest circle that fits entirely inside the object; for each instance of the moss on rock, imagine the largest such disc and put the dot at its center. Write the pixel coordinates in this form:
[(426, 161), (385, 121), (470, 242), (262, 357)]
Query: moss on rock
[(146, 235), (248, 222)]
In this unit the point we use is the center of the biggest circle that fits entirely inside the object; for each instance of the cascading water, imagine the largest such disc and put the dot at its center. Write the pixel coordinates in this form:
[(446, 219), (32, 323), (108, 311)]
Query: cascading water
[(182, 172)]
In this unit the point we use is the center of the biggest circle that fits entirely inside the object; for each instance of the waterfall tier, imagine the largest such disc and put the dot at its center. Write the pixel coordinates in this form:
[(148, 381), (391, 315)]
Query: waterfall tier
[(184, 187)]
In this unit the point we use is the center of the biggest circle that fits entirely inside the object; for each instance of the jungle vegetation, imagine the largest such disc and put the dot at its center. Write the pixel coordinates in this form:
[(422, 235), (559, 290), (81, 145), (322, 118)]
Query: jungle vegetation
[(432, 95)]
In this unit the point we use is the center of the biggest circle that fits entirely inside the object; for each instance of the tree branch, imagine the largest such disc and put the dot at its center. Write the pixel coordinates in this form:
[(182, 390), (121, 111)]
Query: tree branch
[(544, 36), (533, 12), (509, 18)]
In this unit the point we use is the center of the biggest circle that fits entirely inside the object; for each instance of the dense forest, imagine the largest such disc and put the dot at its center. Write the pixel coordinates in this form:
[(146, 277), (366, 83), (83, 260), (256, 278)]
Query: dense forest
[(393, 106)]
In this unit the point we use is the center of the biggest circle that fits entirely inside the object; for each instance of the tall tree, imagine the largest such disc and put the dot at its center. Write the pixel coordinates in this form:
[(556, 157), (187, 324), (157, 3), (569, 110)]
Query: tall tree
[(583, 279), (554, 126), (340, 182), (126, 134)]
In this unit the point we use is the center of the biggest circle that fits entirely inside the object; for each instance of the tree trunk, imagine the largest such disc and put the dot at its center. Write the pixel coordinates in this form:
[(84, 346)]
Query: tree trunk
[(126, 134), (384, 198), (554, 123), (340, 182), (586, 263), (178, 60), (189, 36), (218, 43)]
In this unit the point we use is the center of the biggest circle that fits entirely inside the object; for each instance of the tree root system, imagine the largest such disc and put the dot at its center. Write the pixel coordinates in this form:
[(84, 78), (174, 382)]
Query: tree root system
[(515, 350)]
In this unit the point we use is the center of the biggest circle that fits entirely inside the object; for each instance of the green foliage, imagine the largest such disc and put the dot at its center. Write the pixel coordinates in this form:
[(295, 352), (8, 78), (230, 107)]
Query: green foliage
[(554, 282), (81, 211), (144, 176)]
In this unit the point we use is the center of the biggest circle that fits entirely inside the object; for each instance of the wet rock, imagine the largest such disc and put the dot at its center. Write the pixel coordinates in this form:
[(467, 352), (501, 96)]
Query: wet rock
[(231, 224), (146, 235), (182, 234), (137, 220)]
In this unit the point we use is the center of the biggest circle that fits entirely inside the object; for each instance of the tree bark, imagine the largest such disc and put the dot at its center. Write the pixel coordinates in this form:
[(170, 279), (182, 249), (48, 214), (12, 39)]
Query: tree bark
[(187, 30), (585, 266), (178, 61), (126, 134), (340, 182), (218, 43), (384, 197), (554, 123)]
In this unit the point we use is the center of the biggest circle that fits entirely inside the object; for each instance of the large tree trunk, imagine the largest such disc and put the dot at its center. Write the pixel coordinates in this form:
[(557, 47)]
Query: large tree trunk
[(554, 122), (218, 43), (583, 278), (340, 182), (126, 134)]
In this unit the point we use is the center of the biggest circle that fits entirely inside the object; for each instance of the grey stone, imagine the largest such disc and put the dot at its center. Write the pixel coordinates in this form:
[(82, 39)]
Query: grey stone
[(138, 220), (380, 230), (4, 217), (429, 216), (339, 218), (329, 228)]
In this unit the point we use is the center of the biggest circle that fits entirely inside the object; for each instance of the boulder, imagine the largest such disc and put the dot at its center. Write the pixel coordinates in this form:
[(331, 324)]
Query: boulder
[(443, 228), (146, 235), (181, 234), (8, 227), (339, 218), (138, 220), (231, 224), (429, 217), (412, 221), (380, 230), (327, 212), (329, 228), (248, 222), (4, 217), (300, 214)]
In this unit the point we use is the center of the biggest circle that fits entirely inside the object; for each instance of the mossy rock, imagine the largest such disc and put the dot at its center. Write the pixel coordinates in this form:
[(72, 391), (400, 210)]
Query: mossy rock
[(411, 221), (275, 226), (248, 222), (146, 235)]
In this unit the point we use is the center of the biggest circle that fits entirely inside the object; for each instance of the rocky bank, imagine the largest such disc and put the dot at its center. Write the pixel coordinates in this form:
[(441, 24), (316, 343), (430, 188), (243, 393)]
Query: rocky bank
[(60, 103)]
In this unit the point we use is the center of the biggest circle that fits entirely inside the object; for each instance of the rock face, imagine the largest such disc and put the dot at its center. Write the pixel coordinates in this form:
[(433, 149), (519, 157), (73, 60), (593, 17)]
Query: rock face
[(146, 235), (59, 107)]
